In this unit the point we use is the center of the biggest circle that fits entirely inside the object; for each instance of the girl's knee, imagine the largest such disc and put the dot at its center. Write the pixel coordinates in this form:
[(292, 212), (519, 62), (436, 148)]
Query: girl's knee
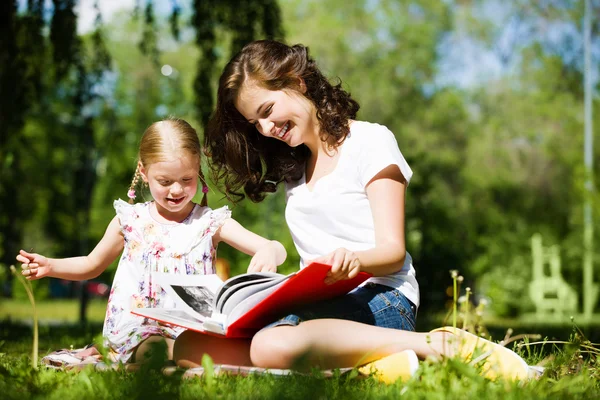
[(279, 347), (154, 345)]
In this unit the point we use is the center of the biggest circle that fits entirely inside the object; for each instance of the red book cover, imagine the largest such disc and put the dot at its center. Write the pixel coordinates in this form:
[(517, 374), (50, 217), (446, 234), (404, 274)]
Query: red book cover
[(304, 287), (300, 288)]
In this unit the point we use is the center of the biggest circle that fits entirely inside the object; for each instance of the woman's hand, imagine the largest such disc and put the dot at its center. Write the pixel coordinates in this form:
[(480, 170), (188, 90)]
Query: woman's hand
[(35, 266), (344, 265), (266, 257)]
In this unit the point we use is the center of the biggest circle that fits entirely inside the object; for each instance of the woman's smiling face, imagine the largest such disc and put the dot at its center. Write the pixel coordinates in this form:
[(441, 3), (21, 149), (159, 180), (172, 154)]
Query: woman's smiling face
[(283, 115)]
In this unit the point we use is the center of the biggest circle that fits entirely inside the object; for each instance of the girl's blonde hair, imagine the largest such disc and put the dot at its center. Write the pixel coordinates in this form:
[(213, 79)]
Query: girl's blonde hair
[(160, 141)]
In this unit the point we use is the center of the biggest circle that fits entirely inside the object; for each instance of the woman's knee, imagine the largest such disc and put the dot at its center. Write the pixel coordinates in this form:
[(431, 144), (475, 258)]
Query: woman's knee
[(279, 347), (186, 349)]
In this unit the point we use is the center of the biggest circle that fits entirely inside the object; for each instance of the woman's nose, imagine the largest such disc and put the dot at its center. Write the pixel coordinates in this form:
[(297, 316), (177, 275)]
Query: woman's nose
[(266, 127)]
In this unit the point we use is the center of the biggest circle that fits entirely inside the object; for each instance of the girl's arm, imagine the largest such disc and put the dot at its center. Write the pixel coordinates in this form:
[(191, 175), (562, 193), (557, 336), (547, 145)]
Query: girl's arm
[(386, 193), (36, 266), (266, 254)]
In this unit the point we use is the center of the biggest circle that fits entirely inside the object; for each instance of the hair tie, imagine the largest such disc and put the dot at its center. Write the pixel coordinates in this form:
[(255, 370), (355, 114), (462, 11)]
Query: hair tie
[(131, 194), (204, 189)]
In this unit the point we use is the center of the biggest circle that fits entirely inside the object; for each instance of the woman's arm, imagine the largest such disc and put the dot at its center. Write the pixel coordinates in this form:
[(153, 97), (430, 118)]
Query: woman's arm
[(386, 193), (267, 254), (36, 266)]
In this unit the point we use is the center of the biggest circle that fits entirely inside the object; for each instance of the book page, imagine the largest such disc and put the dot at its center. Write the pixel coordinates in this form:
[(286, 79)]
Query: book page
[(232, 284), (172, 316), (231, 296), (247, 291), (192, 293), (251, 299)]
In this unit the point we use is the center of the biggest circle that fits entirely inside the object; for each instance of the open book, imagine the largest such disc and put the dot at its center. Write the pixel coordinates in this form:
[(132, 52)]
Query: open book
[(246, 303)]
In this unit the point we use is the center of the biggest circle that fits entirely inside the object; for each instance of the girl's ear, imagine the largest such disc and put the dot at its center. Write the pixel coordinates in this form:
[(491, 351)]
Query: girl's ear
[(143, 172)]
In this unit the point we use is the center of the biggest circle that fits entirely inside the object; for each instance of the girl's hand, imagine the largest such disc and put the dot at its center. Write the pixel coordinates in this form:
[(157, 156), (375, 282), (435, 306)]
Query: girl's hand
[(265, 259), (35, 266), (344, 265)]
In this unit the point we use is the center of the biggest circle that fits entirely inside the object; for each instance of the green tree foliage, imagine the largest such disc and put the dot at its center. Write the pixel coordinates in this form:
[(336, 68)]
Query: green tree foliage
[(13, 74), (69, 116), (494, 161), (527, 160), (48, 144), (243, 21)]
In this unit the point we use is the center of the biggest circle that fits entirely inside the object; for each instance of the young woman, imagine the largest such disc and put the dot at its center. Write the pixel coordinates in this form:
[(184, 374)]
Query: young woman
[(279, 120)]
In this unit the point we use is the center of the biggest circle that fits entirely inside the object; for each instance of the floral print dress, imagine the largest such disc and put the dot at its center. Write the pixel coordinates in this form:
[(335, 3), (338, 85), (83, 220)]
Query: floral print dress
[(183, 248)]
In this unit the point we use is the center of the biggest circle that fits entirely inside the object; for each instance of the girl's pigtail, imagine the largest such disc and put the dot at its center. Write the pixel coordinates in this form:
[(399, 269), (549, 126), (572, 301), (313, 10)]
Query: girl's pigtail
[(204, 201), (134, 182)]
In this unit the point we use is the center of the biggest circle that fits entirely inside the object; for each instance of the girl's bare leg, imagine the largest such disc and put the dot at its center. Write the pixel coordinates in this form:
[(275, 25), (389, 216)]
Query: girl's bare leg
[(190, 346), (143, 349), (333, 343)]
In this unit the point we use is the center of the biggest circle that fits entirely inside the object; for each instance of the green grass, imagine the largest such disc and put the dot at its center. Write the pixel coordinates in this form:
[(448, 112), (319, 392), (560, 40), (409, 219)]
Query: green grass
[(569, 376), (571, 370), (451, 380)]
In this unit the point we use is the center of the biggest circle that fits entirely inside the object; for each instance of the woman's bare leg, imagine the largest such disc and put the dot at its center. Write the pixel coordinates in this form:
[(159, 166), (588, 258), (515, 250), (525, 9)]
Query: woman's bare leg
[(190, 346), (333, 343)]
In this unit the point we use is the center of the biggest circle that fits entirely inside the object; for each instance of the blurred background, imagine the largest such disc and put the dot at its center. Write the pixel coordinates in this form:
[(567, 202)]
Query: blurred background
[(494, 105)]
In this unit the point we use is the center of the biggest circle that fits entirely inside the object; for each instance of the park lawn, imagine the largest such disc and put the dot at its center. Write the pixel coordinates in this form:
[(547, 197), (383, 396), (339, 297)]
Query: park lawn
[(571, 372), (451, 380), (568, 377)]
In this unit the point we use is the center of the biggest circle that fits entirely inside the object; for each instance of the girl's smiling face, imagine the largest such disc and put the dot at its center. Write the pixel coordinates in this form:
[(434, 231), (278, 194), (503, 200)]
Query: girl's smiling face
[(283, 115), (173, 184)]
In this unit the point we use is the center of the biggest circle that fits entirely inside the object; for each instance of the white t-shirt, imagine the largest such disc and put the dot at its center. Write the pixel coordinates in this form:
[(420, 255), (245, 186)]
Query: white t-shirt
[(336, 213)]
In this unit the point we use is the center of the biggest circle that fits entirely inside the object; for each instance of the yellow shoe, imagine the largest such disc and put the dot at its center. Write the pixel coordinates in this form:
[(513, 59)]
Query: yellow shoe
[(402, 365), (495, 360)]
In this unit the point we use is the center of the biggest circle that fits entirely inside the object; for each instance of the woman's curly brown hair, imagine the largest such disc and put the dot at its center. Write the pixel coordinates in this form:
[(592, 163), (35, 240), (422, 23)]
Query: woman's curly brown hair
[(239, 156)]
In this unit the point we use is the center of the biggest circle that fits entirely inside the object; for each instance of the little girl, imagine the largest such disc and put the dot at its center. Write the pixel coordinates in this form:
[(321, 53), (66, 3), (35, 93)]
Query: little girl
[(169, 234)]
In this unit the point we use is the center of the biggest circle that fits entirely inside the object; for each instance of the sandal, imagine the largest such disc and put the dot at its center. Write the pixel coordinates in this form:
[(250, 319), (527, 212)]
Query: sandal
[(69, 359)]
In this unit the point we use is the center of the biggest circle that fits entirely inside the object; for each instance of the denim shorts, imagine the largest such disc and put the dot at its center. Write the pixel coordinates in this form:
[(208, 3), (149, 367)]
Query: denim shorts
[(372, 304)]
